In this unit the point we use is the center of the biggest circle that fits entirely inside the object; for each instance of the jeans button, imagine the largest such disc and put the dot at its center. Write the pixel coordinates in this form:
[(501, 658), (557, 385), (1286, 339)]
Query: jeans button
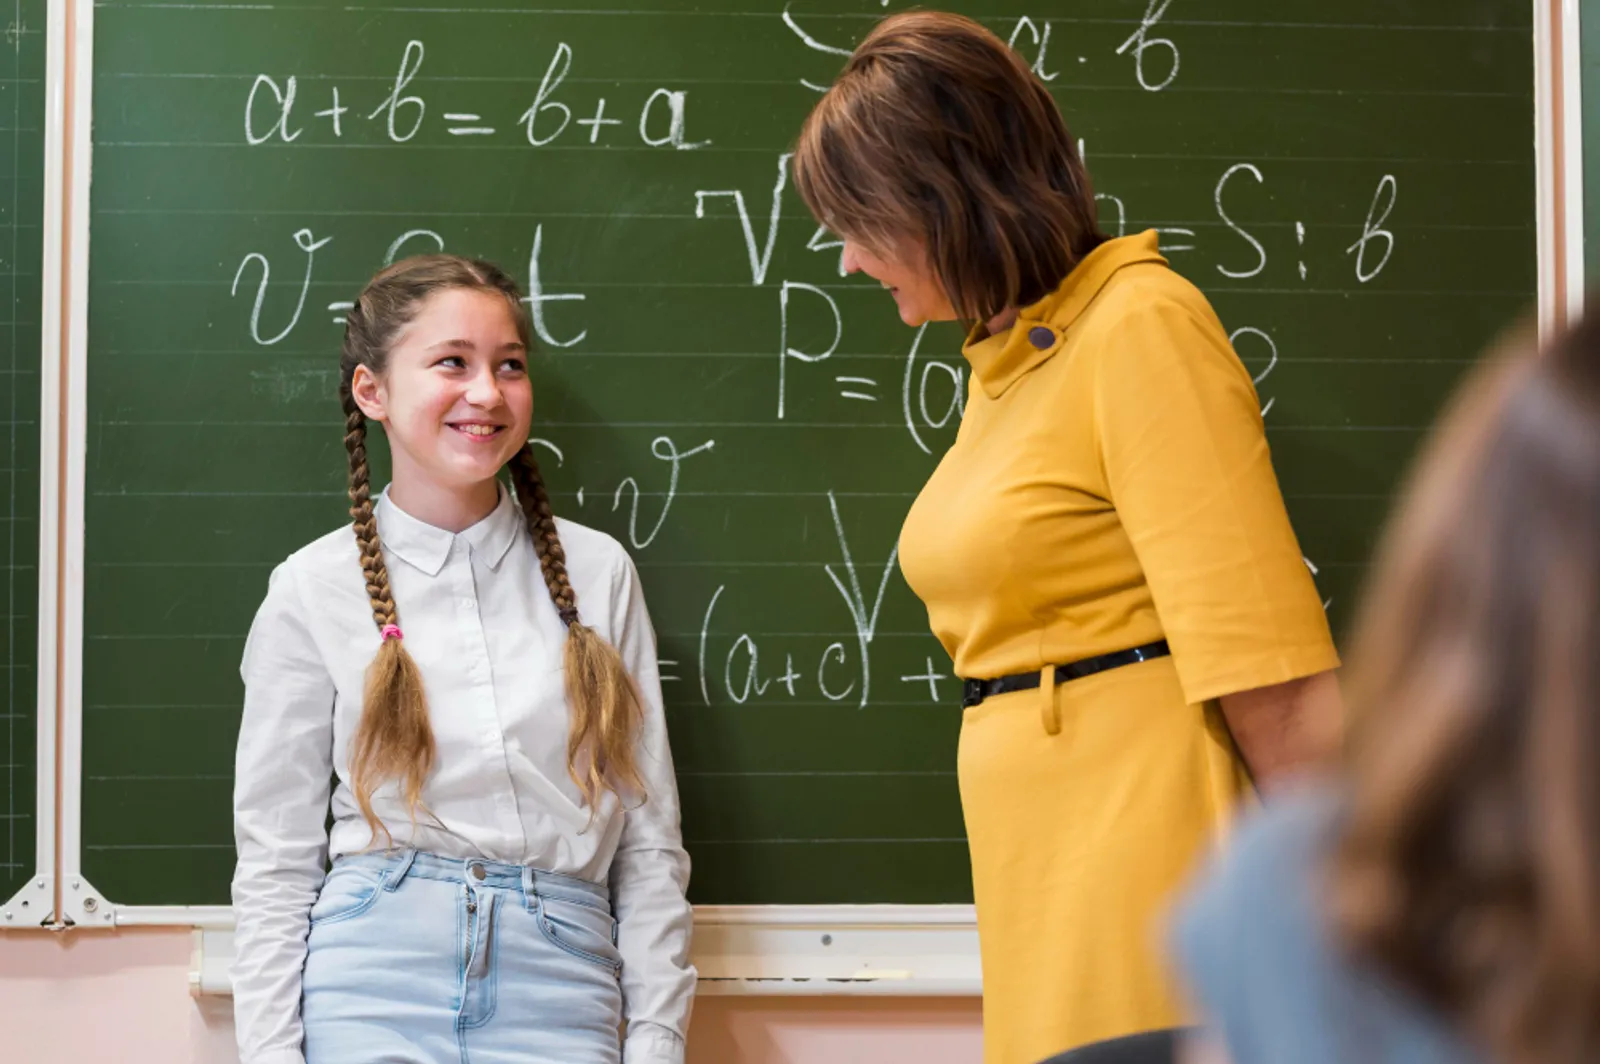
[(477, 871)]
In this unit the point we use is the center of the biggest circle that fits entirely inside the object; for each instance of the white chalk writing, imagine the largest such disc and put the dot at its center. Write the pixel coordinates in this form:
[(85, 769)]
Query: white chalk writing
[(667, 451), (1382, 203), (307, 243)]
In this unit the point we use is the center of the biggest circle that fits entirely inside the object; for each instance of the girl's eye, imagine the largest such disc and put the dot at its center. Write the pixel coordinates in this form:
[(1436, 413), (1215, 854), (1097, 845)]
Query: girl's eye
[(514, 365), (451, 362)]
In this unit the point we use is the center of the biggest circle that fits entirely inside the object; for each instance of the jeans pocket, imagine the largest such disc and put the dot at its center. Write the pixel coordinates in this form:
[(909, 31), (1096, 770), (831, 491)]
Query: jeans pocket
[(585, 931), (349, 890)]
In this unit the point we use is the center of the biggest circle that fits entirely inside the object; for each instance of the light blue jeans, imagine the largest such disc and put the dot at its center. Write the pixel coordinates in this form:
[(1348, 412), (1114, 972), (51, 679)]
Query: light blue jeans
[(420, 959)]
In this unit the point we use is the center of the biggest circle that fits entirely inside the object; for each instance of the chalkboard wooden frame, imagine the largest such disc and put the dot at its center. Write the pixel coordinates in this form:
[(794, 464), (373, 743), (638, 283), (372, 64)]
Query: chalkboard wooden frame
[(34, 902), (896, 949), (79, 903), (1558, 133), (1573, 57)]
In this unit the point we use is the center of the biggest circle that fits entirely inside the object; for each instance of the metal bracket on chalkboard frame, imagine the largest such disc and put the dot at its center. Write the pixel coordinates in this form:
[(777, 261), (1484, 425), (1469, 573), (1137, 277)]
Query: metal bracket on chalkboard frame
[(82, 905), (31, 906)]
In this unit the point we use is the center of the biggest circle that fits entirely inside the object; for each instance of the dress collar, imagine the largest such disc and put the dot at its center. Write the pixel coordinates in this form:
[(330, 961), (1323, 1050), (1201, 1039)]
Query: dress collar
[(998, 361)]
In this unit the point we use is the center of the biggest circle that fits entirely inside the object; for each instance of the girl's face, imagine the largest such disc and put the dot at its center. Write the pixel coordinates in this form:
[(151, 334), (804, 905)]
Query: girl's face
[(906, 274), (454, 400)]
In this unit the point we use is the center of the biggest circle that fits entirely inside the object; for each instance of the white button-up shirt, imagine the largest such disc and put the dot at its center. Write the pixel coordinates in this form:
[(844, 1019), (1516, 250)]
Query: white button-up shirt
[(482, 629)]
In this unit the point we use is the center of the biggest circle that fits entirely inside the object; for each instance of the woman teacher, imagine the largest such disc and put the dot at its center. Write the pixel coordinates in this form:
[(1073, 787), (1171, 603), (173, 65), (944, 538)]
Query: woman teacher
[(1103, 551)]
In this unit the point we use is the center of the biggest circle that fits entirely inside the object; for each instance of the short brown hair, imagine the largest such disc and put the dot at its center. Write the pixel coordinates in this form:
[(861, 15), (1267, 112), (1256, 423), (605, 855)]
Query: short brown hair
[(1469, 862), (394, 739), (938, 133)]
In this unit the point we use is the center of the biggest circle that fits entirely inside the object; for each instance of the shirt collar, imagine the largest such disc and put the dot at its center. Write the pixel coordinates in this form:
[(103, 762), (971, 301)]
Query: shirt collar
[(425, 547), (998, 361)]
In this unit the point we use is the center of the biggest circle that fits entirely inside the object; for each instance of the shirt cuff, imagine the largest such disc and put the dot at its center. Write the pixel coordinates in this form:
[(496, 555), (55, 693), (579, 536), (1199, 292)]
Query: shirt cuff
[(649, 1044), (275, 1056)]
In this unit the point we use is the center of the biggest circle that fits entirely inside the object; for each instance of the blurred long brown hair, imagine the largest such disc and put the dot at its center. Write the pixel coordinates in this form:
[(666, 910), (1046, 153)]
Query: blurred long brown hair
[(1469, 864)]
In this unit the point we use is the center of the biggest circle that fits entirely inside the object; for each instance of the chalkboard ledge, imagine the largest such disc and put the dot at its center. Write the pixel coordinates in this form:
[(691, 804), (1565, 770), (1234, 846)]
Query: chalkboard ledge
[(756, 951)]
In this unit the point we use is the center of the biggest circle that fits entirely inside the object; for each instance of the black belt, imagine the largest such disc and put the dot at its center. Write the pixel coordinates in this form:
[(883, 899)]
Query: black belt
[(974, 692)]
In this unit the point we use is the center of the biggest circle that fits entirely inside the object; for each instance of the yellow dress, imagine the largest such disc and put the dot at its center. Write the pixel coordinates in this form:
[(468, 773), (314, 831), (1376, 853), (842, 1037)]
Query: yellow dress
[(1110, 486)]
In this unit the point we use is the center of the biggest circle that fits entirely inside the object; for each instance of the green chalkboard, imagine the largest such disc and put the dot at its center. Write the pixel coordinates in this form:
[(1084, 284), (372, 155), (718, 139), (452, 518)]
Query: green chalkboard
[(22, 109), (1352, 184)]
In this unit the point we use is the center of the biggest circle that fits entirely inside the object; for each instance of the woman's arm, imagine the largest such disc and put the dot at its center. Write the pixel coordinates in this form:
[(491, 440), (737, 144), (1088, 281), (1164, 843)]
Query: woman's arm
[(1285, 727), (1190, 473), (280, 808)]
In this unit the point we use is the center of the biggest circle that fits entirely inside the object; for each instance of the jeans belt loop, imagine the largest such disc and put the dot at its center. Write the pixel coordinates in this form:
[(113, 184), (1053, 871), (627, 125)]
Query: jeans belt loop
[(400, 869), (1050, 712), (528, 885)]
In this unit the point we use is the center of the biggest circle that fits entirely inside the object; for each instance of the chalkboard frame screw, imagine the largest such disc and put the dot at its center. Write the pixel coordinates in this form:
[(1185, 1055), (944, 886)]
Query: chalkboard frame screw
[(90, 905), (827, 940)]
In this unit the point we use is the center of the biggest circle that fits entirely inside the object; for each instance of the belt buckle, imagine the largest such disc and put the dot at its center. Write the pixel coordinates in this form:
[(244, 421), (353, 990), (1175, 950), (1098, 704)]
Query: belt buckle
[(971, 693)]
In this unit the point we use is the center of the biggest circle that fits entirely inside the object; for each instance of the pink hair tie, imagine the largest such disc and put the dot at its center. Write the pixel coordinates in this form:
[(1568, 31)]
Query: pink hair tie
[(388, 632)]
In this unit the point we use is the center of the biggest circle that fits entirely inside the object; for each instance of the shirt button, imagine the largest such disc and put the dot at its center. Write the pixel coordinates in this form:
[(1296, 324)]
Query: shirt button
[(466, 604), (1041, 337)]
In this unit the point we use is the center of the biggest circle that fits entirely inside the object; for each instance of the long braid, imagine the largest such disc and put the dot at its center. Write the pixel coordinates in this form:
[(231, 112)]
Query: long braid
[(364, 520), (535, 502), (394, 739), (605, 707)]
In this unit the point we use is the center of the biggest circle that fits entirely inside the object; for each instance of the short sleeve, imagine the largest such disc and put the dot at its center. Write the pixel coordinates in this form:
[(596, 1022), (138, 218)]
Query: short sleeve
[(1184, 453)]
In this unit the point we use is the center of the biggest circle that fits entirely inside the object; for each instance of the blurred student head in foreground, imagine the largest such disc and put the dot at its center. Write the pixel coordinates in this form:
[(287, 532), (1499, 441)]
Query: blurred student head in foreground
[(1438, 898)]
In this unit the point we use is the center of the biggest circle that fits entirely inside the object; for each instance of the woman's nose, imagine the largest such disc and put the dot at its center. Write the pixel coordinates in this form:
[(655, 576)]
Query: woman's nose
[(850, 259)]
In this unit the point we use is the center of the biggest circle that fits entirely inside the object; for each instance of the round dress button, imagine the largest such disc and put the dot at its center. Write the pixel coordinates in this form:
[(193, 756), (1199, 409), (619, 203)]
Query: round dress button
[(477, 871), (1041, 337)]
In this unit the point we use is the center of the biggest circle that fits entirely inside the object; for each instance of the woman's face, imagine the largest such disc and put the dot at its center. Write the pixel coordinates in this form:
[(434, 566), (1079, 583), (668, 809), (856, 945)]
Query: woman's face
[(905, 272)]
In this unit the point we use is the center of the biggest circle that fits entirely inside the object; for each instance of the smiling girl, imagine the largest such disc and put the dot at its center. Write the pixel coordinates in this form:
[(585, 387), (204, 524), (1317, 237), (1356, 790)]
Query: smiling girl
[(473, 684)]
